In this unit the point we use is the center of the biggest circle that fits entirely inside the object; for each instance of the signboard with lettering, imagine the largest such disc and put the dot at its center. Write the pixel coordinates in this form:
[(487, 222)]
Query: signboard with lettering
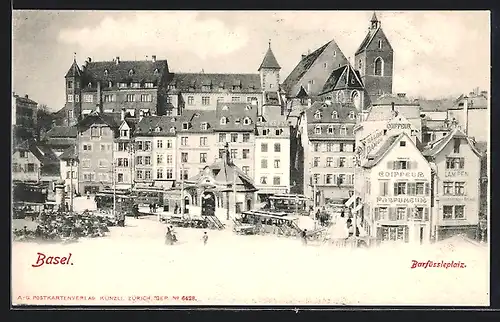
[(401, 174), (402, 200), (455, 173), (369, 142), (457, 199), (399, 126)]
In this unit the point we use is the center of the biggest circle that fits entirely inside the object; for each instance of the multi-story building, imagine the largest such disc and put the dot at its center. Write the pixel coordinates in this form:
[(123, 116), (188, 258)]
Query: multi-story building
[(235, 124), (124, 153), (156, 151), (435, 123), (96, 136), (196, 142), (472, 115), (133, 85), (344, 86), (375, 59), (326, 133), (69, 169), (60, 138), (200, 91), (392, 197), (24, 117), (272, 153), (456, 184), (33, 161)]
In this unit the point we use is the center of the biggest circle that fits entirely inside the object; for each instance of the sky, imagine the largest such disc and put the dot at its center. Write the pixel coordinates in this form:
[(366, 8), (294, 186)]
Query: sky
[(436, 53)]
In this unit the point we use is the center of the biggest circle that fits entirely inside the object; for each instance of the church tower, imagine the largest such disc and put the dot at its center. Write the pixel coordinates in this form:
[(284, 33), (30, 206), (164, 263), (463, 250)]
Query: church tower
[(73, 91), (269, 72), (375, 59)]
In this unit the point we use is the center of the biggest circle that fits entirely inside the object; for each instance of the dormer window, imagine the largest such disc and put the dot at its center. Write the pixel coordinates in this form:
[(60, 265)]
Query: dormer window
[(248, 108), (185, 125), (172, 130), (352, 116), (223, 120), (157, 129), (89, 85), (110, 84), (124, 133), (204, 126), (225, 108), (260, 119), (247, 121), (340, 97), (335, 115), (265, 131), (172, 119), (330, 130), (317, 115), (156, 72), (317, 130), (106, 73), (131, 72), (237, 121), (343, 130)]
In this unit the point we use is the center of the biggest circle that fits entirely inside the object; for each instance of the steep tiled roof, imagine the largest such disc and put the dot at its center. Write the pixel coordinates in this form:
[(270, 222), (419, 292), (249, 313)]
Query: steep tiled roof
[(368, 39), (302, 67), (376, 156), (142, 71), (41, 151), (60, 142), (25, 100), (342, 78), (197, 120), (157, 126), (113, 120), (431, 125), (271, 98), (441, 105), (235, 115), (69, 154), (388, 99), (62, 132), (302, 93), (382, 113), (331, 131), (74, 70), (269, 61), (437, 146), (479, 101), (132, 123), (219, 83), (325, 113), (272, 117)]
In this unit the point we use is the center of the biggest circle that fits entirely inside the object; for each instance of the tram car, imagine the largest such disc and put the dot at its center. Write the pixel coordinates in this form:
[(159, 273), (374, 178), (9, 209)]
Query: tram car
[(124, 201), (148, 196)]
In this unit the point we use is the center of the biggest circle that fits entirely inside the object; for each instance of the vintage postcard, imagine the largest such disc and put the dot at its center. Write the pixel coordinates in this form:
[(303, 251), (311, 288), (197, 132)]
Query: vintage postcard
[(250, 158)]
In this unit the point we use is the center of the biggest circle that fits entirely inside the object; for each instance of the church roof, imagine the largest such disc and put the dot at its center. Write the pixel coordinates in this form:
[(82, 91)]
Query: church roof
[(125, 71), (269, 60), (342, 78)]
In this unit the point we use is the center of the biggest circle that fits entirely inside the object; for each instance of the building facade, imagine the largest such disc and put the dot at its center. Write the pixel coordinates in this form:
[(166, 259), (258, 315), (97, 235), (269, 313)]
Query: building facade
[(24, 117), (472, 115), (69, 169), (456, 181), (33, 161), (124, 153)]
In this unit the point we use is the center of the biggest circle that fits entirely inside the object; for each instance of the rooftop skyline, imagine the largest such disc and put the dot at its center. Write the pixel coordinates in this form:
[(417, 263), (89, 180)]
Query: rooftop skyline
[(437, 53)]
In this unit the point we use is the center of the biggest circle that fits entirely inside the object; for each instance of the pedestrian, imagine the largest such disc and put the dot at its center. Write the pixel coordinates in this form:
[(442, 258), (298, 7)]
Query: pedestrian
[(304, 236), (135, 209), (205, 238)]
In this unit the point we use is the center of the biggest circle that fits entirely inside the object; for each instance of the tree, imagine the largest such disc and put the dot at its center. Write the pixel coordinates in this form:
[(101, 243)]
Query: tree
[(45, 119)]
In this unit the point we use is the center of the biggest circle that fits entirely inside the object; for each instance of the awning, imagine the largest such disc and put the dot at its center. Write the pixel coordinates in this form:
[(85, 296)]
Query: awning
[(358, 207), (350, 201)]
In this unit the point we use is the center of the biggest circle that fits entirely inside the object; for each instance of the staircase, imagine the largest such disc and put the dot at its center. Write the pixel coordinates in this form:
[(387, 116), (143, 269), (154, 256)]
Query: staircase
[(213, 221)]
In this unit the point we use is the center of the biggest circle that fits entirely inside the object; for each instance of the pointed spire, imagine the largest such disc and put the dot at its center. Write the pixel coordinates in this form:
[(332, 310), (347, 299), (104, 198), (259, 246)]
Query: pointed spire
[(374, 17), (269, 60), (74, 70)]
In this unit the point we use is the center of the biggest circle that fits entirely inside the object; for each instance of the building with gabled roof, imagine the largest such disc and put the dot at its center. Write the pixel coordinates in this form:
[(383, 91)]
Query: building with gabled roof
[(24, 117), (33, 161), (69, 169), (60, 138), (457, 179)]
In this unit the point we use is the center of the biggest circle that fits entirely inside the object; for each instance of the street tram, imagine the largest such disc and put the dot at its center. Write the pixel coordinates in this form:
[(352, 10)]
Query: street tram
[(289, 204), (148, 195), (124, 201)]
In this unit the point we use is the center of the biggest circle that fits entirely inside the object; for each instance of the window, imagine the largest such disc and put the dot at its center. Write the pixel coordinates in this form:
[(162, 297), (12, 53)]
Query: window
[(384, 188), (77, 98), (205, 100), (146, 98), (70, 84), (456, 145), (330, 130), (203, 158), (246, 170), (147, 174), (265, 132), (169, 159), (23, 154), (400, 213), (447, 188), (447, 212), (379, 67), (109, 98), (381, 213), (329, 162), (278, 131), (159, 173), (148, 85), (263, 147), (168, 99), (184, 157), (263, 180), (400, 165), (88, 98), (329, 179), (325, 65), (220, 99), (87, 147), (317, 130), (263, 163), (455, 163), (159, 144), (329, 147), (159, 159), (234, 154), (170, 173), (70, 98), (246, 137), (276, 181), (184, 141), (122, 85), (221, 153), (147, 160), (317, 115), (103, 163), (315, 178), (454, 212), (420, 188), (459, 188), (169, 144), (402, 143), (412, 188), (316, 147), (459, 212), (139, 174), (235, 99), (360, 64), (139, 160), (379, 44), (203, 141), (342, 162), (246, 153), (122, 162), (190, 100), (277, 147), (147, 146), (399, 188), (316, 162), (130, 98), (204, 126), (343, 130), (234, 137), (247, 121), (223, 120), (222, 137), (276, 164)]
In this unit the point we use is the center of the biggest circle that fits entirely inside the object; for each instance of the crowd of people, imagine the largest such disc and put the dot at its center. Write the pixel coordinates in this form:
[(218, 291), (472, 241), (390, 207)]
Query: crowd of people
[(65, 226)]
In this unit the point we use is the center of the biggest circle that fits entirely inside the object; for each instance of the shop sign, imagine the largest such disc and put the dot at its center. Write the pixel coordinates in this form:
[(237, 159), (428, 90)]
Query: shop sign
[(402, 200), (457, 199), (370, 142), (399, 126), (401, 174), (456, 173)]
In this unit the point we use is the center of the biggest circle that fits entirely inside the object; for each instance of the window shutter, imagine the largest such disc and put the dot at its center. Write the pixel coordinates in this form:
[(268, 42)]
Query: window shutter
[(395, 188), (377, 214), (462, 163), (392, 213), (389, 165), (409, 165), (394, 165), (406, 233), (426, 213), (409, 213), (381, 188), (426, 188), (334, 179), (335, 162)]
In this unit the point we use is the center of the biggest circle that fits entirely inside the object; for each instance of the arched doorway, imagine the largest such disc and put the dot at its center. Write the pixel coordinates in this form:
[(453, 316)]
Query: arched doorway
[(208, 204), (187, 202)]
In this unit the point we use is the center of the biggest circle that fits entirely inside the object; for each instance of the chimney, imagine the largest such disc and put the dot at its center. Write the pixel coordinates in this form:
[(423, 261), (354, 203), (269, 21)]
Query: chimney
[(117, 60), (308, 52), (477, 91), (304, 56), (309, 101), (89, 59), (153, 57), (484, 93), (122, 115), (26, 96), (99, 100), (466, 115)]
